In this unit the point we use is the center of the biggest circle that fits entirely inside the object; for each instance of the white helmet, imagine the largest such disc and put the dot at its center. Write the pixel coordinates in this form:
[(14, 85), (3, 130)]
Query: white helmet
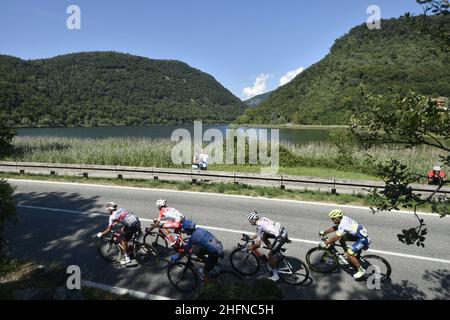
[(111, 205), (253, 216), (161, 203), (436, 168)]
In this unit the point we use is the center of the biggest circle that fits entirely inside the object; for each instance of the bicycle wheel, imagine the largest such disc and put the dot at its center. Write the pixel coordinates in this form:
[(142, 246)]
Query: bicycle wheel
[(373, 263), (322, 260), (159, 243), (227, 278), (108, 249), (182, 277), (244, 263), (146, 255), (292, 271)]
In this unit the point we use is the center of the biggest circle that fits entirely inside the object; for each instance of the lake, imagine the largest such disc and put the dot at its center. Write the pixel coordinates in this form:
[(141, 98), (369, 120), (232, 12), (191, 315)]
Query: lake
[(294, 136)]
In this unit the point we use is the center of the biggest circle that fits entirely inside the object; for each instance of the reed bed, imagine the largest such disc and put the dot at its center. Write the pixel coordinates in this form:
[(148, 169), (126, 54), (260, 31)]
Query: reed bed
[(144, 152)]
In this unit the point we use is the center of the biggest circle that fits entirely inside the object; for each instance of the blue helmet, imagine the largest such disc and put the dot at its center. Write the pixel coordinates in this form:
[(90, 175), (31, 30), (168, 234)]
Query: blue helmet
[(189, 225)]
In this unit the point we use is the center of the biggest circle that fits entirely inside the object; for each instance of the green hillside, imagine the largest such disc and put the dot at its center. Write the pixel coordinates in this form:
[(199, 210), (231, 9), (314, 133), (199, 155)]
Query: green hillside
[(393, 59), (109, 88), (257, 100)]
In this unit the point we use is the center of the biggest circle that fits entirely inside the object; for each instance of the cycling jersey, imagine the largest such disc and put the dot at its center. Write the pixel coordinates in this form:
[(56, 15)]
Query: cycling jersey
[(350, 226), (171, 214), (122, 216), (203, 239), (265, 225)]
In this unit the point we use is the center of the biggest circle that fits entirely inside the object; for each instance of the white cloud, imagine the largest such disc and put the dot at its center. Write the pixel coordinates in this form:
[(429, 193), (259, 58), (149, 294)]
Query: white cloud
[(259, 87), (290, 75)]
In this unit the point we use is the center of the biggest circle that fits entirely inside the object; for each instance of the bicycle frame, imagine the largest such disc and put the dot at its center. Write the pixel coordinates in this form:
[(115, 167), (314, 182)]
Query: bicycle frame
[(256, 251), (180, 242)]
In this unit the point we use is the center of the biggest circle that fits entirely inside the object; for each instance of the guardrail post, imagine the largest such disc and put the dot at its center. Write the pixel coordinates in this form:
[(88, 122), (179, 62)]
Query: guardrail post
[(282, 186), (333, 190), (234, 177)]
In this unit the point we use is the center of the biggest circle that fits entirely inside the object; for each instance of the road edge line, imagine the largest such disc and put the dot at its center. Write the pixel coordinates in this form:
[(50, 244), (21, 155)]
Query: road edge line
[(224, 195), (122, 291)]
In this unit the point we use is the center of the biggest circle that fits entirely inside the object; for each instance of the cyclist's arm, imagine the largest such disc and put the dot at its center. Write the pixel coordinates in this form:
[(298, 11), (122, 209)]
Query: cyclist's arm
[(339, 233), (108, 230), (330, 230), (333, 240), (156, 222), (256, 244)]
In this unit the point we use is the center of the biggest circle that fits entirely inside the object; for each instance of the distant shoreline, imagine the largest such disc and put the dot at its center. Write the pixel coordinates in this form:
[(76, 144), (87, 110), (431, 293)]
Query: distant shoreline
[(290, 126)]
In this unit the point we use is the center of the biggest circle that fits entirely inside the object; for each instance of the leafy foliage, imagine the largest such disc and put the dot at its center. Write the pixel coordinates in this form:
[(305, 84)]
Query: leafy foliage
[(396, 59), (7, 212), (6, 137), (109, 88)]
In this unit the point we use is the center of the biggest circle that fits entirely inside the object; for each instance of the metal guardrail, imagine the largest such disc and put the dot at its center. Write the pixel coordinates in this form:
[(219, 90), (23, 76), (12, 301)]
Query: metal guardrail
[(281, 180)]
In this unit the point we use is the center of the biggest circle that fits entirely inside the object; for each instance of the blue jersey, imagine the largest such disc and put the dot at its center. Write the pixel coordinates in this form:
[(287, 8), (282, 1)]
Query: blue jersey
[(204, 239)]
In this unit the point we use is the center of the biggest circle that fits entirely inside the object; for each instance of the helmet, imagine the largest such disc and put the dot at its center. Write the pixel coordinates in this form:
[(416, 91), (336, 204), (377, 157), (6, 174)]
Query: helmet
[(436, 168), (253, 215), (189, 225), (111, 205), (161, 203), (336, 214)]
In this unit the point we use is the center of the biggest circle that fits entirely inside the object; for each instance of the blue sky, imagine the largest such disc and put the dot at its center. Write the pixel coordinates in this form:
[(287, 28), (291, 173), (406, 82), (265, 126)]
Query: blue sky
[(236, 41)]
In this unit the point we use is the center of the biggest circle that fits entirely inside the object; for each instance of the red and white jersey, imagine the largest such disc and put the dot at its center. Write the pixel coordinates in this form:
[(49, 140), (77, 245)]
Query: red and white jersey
[(122, 216), (171, 214), (265, 225)]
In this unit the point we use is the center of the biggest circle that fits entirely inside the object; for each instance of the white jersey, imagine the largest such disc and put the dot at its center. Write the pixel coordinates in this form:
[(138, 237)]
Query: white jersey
[(348, 225), (122, 216), (171, 214), (265, 225)]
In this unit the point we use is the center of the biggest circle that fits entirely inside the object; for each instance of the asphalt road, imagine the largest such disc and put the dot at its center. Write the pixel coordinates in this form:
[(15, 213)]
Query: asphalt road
[(67, 236)]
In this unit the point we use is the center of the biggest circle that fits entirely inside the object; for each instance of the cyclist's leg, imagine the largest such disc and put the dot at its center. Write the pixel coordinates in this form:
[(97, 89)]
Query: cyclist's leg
[(211, 261), (272, 260), (354, 251), (276, 247), (167, 232)]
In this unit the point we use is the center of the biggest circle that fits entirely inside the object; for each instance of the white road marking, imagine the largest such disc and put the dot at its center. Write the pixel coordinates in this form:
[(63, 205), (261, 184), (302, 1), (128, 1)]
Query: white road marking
[(122, 291), (403, 255), (331, 205)]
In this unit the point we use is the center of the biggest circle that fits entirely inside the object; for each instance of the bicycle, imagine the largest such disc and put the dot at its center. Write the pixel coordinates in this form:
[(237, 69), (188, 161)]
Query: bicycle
[(161, 241), (328, 260), (185, 276), (247, 263), (109, 246)]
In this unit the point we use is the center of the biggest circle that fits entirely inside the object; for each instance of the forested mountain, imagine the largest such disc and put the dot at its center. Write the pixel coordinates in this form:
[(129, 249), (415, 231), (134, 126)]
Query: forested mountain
[(394, 59), (109, 88), (257, 100)]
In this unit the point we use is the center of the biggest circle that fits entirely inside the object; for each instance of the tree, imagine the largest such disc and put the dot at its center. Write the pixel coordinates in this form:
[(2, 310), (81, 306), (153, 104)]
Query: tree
[(6, 136), (7, 212), (406, 120)]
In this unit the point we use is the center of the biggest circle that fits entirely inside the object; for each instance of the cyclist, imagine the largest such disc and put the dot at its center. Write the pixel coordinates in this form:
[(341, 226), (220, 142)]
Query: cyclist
[(436, 176), (203, 244), (267, 229), (169, 218), (348, 229), (128, 223)]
